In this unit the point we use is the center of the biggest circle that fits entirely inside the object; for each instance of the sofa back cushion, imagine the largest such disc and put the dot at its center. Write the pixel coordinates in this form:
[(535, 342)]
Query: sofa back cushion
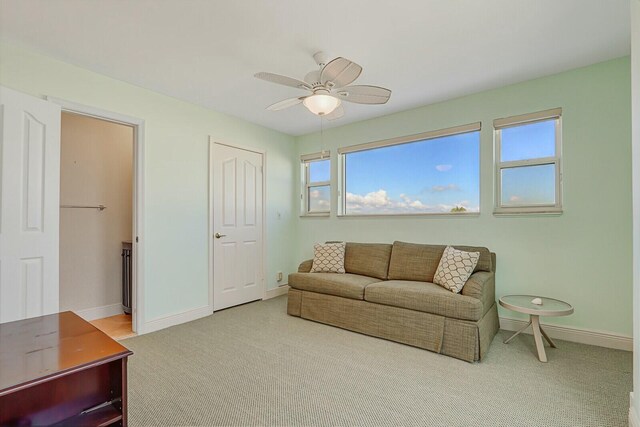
[(411, 261), (368, 259), (485, 262)]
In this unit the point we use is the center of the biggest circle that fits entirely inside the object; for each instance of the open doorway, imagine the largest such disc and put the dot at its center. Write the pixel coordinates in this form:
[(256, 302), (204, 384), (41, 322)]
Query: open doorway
[(97, 221)]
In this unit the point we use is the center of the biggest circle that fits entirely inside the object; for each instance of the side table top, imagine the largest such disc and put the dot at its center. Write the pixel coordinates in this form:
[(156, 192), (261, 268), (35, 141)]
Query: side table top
[(523, 304), (40, 347)]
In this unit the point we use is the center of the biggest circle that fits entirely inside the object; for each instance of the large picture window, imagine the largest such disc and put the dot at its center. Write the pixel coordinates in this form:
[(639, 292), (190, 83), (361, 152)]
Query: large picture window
[(316, 184), (431, 173), (528, 154)]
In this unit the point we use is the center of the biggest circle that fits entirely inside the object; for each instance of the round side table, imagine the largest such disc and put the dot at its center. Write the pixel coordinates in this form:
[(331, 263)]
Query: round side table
[(549, 307)]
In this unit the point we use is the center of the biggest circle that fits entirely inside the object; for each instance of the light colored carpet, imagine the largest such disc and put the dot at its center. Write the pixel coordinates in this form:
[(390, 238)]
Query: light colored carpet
[(254, 365)]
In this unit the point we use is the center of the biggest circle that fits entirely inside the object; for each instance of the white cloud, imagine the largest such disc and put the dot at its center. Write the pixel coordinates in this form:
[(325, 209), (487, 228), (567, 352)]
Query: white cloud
[(443, 168), (379, 202), (448, 187), (375, 199), (319, 202), (515, 198)]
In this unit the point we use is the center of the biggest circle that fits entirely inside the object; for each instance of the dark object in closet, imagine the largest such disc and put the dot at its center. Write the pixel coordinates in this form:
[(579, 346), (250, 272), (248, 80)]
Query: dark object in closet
[(127, 249), (61, 370)]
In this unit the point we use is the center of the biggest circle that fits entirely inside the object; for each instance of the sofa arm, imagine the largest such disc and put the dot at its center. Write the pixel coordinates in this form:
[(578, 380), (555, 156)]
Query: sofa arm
[(305, 266), (481, 285)]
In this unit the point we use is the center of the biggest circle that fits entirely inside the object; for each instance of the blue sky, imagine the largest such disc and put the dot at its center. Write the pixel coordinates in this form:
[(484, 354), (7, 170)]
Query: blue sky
[(517, 141), (320, 171), (424, 176), (436, 175), (531, 185)]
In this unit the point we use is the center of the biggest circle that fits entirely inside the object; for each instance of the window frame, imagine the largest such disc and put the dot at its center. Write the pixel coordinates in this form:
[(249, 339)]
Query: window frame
[(306, 185), (440, 133), (521, 120)]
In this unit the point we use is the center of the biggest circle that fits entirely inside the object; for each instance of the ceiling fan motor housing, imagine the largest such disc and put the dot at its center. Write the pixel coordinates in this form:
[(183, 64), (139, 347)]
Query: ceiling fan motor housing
[(313, 78)]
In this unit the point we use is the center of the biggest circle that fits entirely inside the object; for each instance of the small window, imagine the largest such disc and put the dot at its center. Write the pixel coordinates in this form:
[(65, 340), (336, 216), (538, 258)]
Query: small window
[(435, 172), (316, 180), (528, 154)]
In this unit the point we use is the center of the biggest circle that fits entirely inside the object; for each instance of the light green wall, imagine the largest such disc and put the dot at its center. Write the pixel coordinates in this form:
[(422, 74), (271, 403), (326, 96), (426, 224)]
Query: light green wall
[(582, 256), (176, 180), (634, 413)]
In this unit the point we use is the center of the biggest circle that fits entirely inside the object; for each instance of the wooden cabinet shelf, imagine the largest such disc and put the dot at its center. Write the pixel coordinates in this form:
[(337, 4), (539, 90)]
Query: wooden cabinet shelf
[(106, 416), (55, 368)]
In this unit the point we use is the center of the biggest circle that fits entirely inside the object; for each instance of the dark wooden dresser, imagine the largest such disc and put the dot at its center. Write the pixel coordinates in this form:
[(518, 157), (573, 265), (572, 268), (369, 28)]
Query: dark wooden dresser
[(60, 369)]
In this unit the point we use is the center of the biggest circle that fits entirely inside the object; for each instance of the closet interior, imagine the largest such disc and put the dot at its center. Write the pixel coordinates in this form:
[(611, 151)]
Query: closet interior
[(96, 221)]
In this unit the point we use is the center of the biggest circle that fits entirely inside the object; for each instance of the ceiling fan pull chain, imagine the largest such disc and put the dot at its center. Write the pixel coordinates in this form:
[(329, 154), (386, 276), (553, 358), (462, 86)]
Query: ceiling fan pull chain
[(321, 140)]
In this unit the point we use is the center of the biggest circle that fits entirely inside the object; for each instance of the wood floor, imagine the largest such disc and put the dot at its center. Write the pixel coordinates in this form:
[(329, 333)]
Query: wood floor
[(117, 327)]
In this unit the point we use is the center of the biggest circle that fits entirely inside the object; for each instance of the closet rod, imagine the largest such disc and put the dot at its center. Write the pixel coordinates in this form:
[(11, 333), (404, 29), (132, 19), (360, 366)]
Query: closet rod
[(101, 207)]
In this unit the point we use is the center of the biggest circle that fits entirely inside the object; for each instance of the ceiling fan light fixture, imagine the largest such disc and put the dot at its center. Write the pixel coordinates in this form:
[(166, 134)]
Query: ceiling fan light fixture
[(327, 88), (321, 104)]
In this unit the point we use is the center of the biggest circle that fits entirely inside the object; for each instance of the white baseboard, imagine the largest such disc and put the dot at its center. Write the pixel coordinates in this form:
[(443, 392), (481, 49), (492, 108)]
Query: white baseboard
[(175, 319), (196, 313), (94, 313), (634, 418), (583, 336), (276, 292)]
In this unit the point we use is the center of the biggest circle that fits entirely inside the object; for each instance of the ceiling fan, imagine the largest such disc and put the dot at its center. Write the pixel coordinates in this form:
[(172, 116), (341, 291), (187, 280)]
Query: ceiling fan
[(329, 87)]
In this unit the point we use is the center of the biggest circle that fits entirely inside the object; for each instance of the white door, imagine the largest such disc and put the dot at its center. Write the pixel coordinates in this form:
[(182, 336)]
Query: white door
[(29, 206), (237, 225)]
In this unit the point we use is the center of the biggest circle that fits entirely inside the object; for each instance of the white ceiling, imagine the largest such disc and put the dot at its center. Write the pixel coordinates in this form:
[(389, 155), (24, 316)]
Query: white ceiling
[(206, 51)]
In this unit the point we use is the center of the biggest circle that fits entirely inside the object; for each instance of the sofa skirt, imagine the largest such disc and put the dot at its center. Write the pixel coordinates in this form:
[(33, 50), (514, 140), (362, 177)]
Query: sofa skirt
[(462, 339)]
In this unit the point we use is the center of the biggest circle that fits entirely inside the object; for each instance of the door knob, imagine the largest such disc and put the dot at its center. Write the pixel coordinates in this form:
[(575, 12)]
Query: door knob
[(218, 235)]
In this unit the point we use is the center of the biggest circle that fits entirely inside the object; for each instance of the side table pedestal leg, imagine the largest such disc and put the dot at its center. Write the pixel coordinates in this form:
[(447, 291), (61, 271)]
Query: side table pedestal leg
[(546, 337), (517, 333), (537, 335)]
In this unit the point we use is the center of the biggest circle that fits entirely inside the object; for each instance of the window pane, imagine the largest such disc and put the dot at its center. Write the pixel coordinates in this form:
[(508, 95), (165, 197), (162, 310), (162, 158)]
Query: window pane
[(319, 198), (433, 176), (529, 185), (319, 171), (530, 141)]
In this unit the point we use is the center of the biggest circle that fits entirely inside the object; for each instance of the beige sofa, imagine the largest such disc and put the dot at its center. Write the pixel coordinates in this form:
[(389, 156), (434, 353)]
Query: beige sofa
[(387, 292)]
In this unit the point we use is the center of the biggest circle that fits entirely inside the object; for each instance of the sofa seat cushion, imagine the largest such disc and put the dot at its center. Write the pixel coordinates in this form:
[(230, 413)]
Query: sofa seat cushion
[(342, 285), (426, 297)]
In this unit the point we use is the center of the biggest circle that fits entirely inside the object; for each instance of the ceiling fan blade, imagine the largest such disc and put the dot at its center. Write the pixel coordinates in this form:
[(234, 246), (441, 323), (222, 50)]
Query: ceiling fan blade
[(285, 103), (283, 80), (364, 94), (335, 114), (340, 72)]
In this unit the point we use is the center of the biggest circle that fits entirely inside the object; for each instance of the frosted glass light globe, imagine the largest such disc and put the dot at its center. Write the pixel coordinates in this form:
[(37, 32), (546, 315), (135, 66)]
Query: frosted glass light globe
[(320, 104)]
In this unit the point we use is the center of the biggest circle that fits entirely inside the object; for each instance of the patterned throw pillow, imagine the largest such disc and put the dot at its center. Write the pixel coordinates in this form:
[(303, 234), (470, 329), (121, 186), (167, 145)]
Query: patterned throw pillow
[(455, 268), (328, 258)]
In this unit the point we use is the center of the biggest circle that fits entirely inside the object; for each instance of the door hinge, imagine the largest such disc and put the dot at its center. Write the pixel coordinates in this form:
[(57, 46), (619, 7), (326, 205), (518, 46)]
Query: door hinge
[(136, 239)]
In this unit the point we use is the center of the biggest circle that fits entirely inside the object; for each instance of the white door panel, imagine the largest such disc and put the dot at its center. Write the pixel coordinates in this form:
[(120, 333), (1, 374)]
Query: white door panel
[(29, 205), (237, 218)]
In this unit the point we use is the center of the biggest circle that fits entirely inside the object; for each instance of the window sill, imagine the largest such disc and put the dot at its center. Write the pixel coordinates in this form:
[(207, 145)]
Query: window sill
[(316, 215), (528, 212)]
